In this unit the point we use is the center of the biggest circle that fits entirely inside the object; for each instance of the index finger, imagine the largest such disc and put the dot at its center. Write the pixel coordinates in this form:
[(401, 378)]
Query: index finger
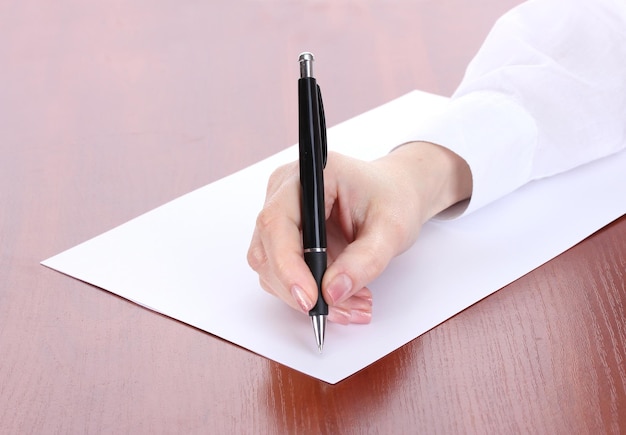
[(277, 237)]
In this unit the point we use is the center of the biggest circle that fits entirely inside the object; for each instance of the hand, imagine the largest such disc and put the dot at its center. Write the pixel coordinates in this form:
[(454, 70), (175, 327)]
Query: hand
[(374, 211)]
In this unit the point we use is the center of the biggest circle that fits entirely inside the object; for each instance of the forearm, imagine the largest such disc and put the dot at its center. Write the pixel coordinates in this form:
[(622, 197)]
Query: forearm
[(545, 93)]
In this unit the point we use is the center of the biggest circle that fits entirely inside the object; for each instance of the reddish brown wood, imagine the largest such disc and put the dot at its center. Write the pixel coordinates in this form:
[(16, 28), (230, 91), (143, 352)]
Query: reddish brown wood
[(108, 109)]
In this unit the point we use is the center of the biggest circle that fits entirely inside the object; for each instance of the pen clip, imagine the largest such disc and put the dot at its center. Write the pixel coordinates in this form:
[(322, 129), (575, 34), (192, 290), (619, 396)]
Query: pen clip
[(322, 126)]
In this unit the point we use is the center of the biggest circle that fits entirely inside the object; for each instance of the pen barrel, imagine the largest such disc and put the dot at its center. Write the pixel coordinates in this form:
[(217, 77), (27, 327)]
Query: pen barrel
[(311, 165), (317, 264)]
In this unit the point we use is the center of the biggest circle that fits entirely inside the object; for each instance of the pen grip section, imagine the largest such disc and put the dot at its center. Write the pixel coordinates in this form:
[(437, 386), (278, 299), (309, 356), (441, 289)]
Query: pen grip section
[(317, 264)]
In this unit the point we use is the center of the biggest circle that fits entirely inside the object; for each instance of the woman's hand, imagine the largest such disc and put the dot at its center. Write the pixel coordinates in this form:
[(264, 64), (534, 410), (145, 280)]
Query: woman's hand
[(374, 211)]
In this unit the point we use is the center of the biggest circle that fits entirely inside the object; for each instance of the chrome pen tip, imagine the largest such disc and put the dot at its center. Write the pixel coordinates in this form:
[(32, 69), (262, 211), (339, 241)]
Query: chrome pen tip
[(319, 328)]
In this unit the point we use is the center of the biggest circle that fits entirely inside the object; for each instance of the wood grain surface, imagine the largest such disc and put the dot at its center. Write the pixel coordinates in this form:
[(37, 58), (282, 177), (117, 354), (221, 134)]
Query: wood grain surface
[(109, 109)]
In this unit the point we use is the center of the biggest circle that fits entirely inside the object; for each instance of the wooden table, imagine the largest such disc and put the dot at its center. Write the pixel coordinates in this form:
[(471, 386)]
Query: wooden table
[(109, 109)]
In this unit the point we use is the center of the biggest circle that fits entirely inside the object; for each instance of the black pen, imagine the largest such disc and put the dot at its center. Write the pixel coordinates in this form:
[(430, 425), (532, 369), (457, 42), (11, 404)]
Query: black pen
[(313, 153)]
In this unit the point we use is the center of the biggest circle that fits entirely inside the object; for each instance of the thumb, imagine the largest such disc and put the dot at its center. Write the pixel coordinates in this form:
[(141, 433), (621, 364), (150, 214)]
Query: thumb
[(359, 263)]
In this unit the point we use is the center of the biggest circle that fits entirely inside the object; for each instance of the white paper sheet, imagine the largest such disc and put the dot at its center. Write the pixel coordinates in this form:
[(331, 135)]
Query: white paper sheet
[(187, 259)]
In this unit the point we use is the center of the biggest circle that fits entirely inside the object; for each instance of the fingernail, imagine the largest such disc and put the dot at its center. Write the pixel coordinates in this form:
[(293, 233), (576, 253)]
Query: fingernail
[(355, 303), (360, 317), (301, 298), (367, 298), (338, 315), (339, 288)]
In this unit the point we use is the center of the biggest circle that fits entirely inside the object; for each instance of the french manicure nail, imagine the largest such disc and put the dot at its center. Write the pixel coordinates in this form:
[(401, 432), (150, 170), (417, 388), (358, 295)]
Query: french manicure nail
[(360, 317), (339, 288), (301, 298), (339, 315)]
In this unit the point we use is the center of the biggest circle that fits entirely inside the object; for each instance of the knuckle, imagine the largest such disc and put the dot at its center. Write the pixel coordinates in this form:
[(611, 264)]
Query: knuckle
[(256, 257), (265, 220), (280, 174)]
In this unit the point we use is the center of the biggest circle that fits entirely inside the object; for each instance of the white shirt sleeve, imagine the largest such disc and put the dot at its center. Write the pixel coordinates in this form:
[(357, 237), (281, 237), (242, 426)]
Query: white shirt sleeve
[(545, 93)]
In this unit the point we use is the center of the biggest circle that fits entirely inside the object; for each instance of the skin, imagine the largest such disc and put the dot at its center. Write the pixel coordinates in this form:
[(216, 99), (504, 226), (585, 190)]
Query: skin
[(374, 211)]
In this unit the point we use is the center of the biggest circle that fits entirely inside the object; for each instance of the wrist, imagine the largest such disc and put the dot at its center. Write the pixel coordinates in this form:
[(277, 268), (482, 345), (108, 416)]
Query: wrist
[(439, 177)]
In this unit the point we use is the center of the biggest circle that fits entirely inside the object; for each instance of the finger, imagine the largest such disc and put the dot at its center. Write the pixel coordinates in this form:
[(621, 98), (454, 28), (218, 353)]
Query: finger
[(283, 267), (365, 293), (268, 287), (360, 263), (271, 284), (356, 309), (256, 256)]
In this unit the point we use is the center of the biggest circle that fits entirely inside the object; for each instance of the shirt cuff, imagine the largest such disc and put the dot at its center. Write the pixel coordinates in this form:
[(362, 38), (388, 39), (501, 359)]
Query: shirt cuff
[(496, 138)]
